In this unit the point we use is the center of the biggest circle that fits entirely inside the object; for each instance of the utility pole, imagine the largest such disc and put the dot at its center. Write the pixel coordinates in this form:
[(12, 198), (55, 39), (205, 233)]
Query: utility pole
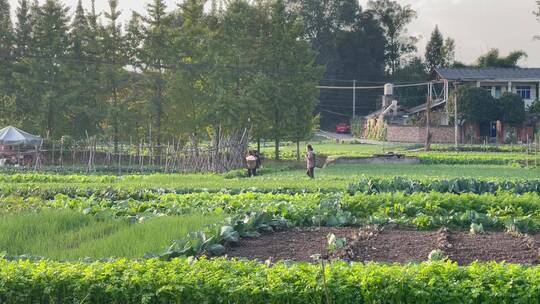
[(354, 100), (428, 118), (456, 126)]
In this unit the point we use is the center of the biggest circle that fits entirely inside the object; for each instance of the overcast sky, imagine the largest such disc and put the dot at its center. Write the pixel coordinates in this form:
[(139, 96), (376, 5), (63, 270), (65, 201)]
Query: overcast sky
[(476, 25)]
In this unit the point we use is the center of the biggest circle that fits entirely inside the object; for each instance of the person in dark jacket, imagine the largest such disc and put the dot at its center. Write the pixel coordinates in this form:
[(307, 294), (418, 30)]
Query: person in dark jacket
[(310, 161), (252, 163)]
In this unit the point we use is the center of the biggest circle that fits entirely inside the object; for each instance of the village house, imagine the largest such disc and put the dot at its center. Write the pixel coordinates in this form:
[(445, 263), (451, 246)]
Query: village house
[(408, 124), (523, 82)]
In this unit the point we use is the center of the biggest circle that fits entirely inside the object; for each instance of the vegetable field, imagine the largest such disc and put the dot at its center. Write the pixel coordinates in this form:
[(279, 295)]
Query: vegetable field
[(357, 234)]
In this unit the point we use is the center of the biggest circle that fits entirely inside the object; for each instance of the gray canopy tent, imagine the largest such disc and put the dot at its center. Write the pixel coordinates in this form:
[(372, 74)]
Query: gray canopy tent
[(19, 147)]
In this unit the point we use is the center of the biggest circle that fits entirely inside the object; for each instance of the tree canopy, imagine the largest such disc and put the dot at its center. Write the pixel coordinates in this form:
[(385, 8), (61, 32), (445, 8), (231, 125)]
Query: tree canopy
[(198, 70), (493, 59), (537, 14), (440, 53), (475, 104), (478, 105), (511, 109), (394, 19), (180, 73)]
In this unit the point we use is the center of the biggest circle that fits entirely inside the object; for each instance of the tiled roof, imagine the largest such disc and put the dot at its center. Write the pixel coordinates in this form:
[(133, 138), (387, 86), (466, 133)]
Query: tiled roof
[(489, 74)]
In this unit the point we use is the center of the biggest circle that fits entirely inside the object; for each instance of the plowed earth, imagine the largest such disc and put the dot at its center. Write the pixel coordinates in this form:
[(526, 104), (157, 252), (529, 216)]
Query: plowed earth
[(371, 244)]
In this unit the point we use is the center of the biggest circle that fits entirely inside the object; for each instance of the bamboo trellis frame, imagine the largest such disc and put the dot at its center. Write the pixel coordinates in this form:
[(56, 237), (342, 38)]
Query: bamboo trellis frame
[(89, 154)]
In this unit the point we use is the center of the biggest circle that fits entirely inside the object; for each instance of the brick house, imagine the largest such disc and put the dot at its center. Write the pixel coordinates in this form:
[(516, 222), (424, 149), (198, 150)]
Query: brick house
[(524, 82), (408, 124)]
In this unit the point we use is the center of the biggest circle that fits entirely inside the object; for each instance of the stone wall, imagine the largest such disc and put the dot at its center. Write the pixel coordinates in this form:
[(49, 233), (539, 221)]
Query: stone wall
[(411, 134)]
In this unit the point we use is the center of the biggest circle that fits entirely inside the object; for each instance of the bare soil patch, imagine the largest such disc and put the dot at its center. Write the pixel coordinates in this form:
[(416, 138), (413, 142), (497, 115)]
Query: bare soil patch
[(295, 245), (496, 247), (393, 246), (371, 244)]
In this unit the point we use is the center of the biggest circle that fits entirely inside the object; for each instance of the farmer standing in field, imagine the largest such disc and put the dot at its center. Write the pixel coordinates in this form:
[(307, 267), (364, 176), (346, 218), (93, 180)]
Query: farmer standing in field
[(252, 163), (310, 160)]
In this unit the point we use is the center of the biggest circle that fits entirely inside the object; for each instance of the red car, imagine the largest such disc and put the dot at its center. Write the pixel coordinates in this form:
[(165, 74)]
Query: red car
[(343, 128)]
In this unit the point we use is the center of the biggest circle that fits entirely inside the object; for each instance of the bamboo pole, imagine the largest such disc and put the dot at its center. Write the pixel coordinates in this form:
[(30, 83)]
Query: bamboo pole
[(120, 159), (53, 156), (62, 152)]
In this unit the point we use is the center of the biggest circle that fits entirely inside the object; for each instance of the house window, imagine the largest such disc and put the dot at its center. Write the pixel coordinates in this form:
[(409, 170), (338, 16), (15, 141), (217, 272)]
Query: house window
[(498, 92), (524, 92)]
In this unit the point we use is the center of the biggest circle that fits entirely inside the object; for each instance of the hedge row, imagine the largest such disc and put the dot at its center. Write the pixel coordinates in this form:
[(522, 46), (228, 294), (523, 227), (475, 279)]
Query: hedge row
[(225, 281)]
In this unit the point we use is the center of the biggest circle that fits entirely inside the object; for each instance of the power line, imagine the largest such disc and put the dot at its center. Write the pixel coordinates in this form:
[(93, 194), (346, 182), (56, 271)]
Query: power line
[(379, 87), (335, 113)]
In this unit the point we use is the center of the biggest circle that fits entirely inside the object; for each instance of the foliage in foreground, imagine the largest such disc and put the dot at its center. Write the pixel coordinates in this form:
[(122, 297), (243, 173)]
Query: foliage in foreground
[(224, 281)]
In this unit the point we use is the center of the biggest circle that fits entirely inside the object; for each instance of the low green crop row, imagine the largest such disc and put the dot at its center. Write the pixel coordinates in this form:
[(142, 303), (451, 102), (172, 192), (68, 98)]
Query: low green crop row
[(422, 210), (455, 185), (226, 281), (365, 185), (53, 178), (252, 213), (477, 158), (481, 148), (136, 194), (471, 155)]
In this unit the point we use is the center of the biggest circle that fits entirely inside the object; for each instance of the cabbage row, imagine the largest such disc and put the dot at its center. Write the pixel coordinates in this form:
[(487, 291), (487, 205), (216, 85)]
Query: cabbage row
[(454, 185)]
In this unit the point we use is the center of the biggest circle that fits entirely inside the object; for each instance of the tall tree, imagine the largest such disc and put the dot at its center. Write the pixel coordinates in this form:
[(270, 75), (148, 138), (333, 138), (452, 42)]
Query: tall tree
[(439, 51), (115, 57), (23, 34), (6, 29), (23, 29), (187, 86), (291, 75), (42, 76), (6, 49), (348, 41), (493, 59), (230, 81), (450, 51), (537, 14), (394, 19), (85, 112), (7, 101), (435, 57), (95, 69), (153, 57)]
